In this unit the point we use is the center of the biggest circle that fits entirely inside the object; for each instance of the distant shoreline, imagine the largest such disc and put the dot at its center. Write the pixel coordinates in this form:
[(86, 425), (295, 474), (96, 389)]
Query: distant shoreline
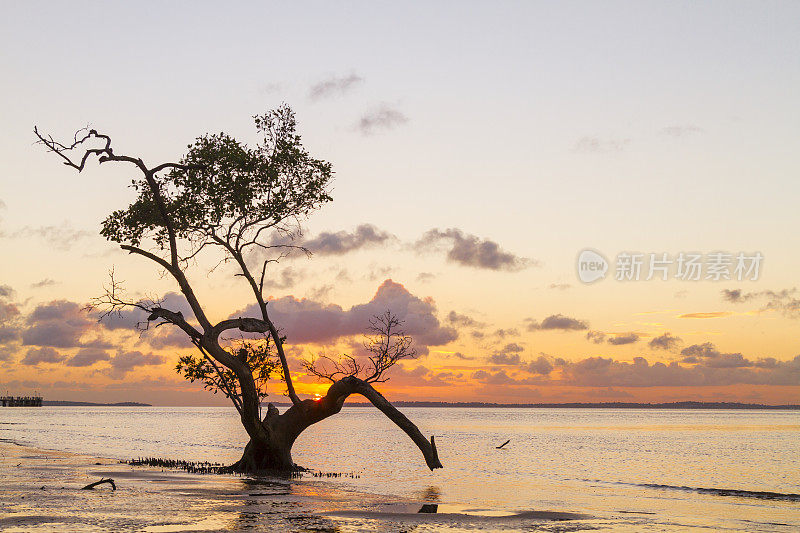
[(485, 405), (64, 403)]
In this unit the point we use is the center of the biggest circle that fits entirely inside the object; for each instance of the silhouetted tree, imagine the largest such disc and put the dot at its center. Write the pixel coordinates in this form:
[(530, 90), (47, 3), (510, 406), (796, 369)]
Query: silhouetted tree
[(226, 195)]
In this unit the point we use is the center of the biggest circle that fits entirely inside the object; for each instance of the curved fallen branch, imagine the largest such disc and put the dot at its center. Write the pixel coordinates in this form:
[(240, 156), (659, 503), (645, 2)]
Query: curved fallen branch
[(110, 481)]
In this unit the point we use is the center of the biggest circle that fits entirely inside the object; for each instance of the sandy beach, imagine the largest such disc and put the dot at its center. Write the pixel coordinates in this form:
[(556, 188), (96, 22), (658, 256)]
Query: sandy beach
[(41, 491)]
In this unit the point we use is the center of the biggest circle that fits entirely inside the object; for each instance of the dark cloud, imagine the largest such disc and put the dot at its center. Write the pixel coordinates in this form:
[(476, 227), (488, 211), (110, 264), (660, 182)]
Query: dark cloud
[(457, 319), (124, 362), (10, 323), (540, 365), (342, 242), (334, 86), (88, 357), (382, 118), (665, 341), (785, 301), (732, 295), (507, 332), (708, 354), (469, 250), (626, 338), (34, 356), (597, 337), (309, 321), (59, 324), (557, 322), (507, 355)]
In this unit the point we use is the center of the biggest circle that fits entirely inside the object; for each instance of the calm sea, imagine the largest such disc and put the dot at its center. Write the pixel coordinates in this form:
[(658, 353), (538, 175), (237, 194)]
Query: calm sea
[(669, 469)]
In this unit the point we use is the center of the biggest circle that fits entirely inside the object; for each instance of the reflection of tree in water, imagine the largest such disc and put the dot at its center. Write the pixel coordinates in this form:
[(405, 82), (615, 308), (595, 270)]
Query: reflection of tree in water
[(267, 508)]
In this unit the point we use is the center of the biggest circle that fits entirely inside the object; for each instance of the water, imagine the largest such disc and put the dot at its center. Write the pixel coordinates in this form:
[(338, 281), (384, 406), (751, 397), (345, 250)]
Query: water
[(669, 469)]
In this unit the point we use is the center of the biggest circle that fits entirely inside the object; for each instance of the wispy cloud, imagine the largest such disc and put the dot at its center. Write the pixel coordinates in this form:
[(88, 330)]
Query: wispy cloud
[(598, 145), (382, 118), (334, 86), (680, 131), (59, 237), (785, 301), (714, 314)]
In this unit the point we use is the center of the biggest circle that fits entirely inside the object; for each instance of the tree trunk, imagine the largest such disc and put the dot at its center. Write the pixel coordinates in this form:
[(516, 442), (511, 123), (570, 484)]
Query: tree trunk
[(274, 452)]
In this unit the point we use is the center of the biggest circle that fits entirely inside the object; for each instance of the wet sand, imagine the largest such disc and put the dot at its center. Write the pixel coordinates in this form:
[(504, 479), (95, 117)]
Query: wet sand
[(41, 491)]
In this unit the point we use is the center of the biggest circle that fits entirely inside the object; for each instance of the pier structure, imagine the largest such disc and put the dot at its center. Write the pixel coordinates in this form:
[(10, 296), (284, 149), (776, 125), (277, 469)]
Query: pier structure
[(20, 401)]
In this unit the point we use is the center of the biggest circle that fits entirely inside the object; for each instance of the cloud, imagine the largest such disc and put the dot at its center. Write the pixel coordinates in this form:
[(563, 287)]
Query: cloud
[(6, 292), (35, 356), (785, 301), (507, 355), (626, 338), (382, 118), (124, 362), (10, 327), (507, 332), (457, 319), (679, 132), (46, 282), (714, 314), (596, 337), (619, 339), (334, 86), (59, 324), (136, 319), (88, 357), (597, 145), (342, 242), (61, 237), (606, 372), (469, 250), (557, 322), (309, 321), (665, 341), (609, 392), (425, 277), (710, 356), (169, 337), (287, 278), (540, 365)]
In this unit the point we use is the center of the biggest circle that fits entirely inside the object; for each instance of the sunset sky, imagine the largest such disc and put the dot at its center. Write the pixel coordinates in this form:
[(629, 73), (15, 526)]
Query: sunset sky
[(478, 148)]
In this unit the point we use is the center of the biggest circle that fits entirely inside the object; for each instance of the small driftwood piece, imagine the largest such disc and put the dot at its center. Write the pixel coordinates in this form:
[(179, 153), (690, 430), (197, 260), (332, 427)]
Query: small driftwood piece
[(110, 481), (502, 445)]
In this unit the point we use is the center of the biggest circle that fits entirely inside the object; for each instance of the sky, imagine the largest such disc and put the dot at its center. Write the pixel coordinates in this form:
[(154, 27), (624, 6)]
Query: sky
[(478, 149)]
